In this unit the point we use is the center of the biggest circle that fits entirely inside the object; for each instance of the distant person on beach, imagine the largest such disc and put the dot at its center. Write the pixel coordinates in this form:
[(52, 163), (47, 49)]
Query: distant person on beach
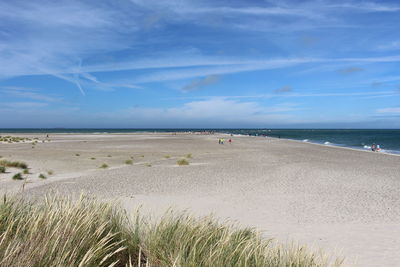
[(378, 148), (373, 147), (230, 141)]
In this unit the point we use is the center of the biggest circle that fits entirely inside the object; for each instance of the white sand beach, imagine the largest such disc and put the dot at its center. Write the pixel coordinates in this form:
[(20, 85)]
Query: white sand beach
[(344, 201)]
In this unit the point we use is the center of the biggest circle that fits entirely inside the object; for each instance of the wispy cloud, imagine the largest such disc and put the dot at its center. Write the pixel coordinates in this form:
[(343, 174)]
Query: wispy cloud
[(389, 110), (199, 83), (24, 105), (394, 45), (350, 70), (284, 89)]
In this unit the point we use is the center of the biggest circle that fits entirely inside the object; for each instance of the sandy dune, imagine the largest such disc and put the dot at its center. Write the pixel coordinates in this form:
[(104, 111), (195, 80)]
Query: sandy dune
[(338, 199)]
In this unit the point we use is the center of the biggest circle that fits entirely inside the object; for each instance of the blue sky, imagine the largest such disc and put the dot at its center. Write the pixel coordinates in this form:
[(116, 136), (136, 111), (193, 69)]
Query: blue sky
[(195, 63)]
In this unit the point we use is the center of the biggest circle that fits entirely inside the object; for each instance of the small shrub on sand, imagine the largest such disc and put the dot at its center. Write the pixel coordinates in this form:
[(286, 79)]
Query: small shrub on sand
[(26, 171), (167, 156), (42, 176), (77, 154), (129, 161), (17, 176), (50, 172), (109, 156), (148, 165), (103, 166), (13, 164), (189, 156), (61, 232), (2, 169), (92, 158), (182, 162)]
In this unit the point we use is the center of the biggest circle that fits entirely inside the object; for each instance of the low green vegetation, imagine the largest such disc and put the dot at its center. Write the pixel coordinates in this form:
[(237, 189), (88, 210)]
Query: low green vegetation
[(13, 164), (26, 171), (42, 176), (148, 165), (129, 161), (109, 156), (2, 169), (14, 139), (103, 166), (167, 156), (189, 156), (61, 232), (77, 154), (17, 176), (182, 162), (50, 172), (92, 158)]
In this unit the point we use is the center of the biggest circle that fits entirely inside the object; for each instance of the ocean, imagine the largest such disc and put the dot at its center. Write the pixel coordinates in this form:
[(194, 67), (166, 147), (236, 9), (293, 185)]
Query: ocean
[(389, 140)]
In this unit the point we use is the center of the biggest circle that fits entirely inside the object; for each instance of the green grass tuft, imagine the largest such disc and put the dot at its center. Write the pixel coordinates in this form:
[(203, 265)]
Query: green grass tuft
[(50, 172), (129, 161), (2, 169), (182, 162), (13, 164), (189, 156), (103, 166), (92, 158), (42, 176), (167, 156), (26, 171), (17, 176)]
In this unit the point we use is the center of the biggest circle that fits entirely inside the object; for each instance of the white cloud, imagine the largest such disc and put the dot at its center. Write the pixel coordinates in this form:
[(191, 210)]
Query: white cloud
[(215, 112), (388, 110), (30, 93), (23, 105), (394, 45)]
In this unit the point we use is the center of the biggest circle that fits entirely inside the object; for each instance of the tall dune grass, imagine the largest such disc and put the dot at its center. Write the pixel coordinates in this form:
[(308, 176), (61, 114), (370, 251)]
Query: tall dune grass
[(85, 232)]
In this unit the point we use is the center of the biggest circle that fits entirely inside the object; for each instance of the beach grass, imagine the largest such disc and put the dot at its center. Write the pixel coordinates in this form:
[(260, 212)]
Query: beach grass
[(17, 176), (14, 139), (92, 158), (13, 164), (42, 176), (50, 172), (2, 169), (182, 162), (167, 156), (104, 166), (58, 231), (189, 156), (26, 171), (129, 161), (77, 154)]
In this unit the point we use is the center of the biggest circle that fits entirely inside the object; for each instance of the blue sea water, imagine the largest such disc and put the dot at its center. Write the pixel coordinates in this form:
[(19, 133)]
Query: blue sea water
[(389, 140)]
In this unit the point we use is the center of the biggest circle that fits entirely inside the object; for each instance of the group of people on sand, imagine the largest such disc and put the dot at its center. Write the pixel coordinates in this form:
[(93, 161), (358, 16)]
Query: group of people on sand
[(221, 141), (375, 147)]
